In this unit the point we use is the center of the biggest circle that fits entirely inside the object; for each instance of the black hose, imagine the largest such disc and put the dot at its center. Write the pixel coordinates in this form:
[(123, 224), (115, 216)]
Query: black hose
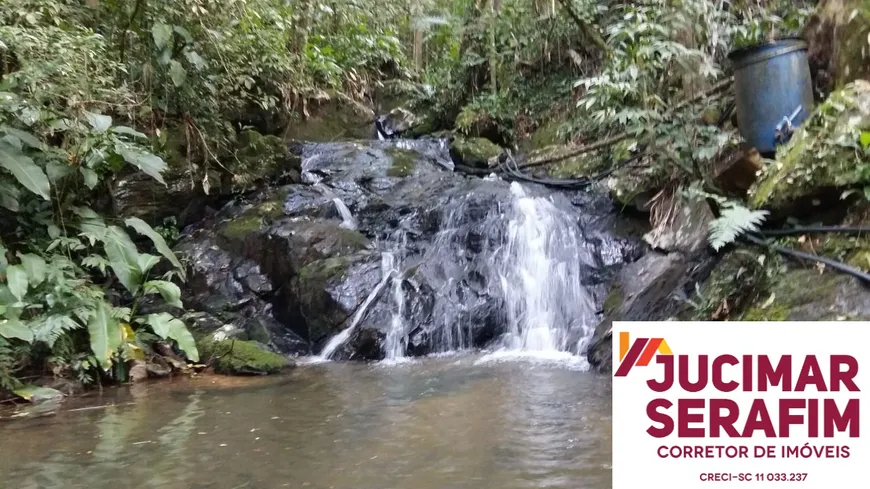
[(815, 229), (837, 265)]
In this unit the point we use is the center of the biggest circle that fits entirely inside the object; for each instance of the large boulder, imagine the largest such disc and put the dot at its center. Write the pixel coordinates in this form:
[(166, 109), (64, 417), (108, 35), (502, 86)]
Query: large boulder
[(643, 292), (474, 152), (256, 159), (332, 116), (839, 46)]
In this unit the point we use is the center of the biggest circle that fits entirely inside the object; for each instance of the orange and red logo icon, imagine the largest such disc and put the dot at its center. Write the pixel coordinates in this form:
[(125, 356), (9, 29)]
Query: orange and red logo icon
[(639, 352)]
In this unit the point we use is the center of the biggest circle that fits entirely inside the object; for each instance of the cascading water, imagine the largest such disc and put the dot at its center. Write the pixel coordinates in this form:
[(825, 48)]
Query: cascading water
[(468, 262), (539, 270), (341, 338), (395, 342)]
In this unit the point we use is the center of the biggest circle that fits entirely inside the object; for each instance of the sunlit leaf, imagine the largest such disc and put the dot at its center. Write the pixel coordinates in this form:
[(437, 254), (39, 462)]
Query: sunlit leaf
[(15, 329), (128, 131), (150, 164), (34, 265), (25, 171), (90, 176), (16, 280), (99, 122), (161, 34), (168, 327), (123, 257), (24, 136), (144, 229), (105, 335), (177, 73), (170, 292)]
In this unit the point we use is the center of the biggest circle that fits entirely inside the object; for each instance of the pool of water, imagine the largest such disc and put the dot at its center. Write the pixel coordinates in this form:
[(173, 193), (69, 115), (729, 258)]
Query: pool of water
[(437, 423)]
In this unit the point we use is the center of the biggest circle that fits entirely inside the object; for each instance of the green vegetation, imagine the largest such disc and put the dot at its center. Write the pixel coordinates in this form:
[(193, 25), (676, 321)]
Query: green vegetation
[(206, 92)]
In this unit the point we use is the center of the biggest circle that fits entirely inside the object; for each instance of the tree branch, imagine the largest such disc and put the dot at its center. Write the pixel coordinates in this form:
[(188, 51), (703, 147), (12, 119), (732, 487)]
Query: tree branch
[(591, 33)]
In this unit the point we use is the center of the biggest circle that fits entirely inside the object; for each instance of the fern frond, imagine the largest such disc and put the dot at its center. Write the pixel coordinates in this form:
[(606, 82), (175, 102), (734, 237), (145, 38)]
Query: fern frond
[(53, 327), (734, 220)]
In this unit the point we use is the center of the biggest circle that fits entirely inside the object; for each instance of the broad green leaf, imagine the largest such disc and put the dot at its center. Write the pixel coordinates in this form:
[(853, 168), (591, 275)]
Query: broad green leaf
[(56, 170), (105, 335), (16, 279), (123, 257), (24, 136), (184, 33), (152, 165), (161, 34), (25, 171), (90, 176), (144, 229), (34, 266), (13, 328), (128, 131), (194, 59), (9, 196), (168, 327), (35, 393), (146, 262), (177, 73), (168, 290), (100, 122), (865, 139)]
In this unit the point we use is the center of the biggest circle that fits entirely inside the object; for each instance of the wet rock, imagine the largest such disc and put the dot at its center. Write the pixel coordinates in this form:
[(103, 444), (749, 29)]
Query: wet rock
[(138, 371), (283, 268), (332, 116), (474, 152), (838, 50), (137, 194), (158, 368), (642, 293), (685, 225), (237, 357), (397, 122), (313, 304), (262, 158)]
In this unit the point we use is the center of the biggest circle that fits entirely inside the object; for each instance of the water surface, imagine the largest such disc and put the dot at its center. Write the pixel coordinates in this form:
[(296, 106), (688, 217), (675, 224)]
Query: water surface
[(436, 423)]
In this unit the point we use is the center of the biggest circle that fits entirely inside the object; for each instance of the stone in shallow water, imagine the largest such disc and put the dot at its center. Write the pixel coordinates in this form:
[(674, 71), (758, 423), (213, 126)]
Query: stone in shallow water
[(238, 357)]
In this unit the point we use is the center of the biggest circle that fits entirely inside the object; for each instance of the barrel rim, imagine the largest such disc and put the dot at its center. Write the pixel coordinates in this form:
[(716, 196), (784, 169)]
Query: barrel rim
[(743, 56)]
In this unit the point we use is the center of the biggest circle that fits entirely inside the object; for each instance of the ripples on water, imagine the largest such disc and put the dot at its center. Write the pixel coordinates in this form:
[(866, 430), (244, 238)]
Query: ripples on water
[(458, 421)]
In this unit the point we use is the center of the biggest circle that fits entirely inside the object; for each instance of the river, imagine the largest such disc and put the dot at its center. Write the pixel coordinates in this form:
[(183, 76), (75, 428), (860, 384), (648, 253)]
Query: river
[(454, 421)]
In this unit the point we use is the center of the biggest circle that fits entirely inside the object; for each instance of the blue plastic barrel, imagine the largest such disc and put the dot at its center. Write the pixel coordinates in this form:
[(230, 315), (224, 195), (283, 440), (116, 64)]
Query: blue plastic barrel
[(772, 83)]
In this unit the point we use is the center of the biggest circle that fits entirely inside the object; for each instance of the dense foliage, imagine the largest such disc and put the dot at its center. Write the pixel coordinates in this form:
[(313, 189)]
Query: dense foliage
[(95, 89)]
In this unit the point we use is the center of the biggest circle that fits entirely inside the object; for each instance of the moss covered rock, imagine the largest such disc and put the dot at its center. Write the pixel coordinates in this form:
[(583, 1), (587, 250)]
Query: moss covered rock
[(404, 162), (237, 357), (825, 152), (839, 51), (474, 152), (262, 158), (808, 294), (333, 117)]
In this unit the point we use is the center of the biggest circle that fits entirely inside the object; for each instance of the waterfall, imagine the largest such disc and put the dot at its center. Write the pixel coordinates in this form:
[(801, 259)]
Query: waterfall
[(394, 344), (465, 262), (539, 270), (341, 338)]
